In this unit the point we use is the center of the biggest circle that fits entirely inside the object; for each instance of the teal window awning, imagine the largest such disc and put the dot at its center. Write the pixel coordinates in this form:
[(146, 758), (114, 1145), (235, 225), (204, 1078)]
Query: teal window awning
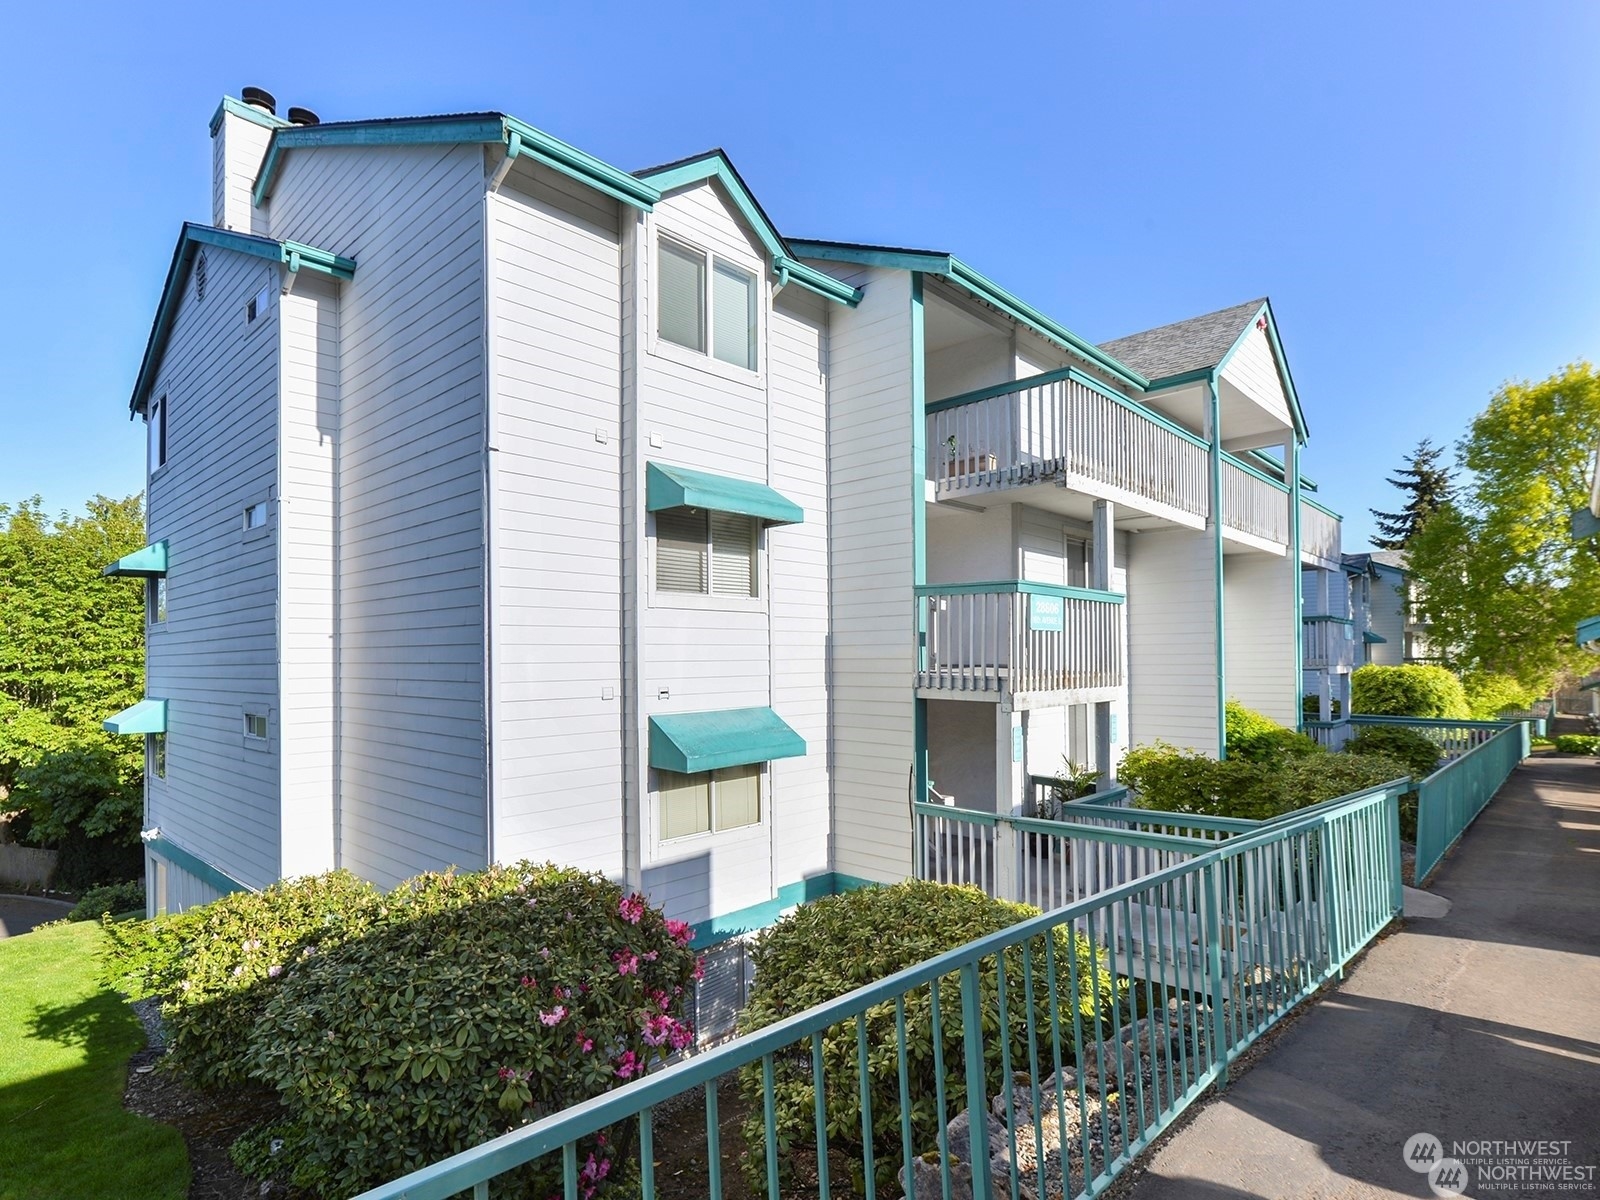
[(679, 487), (729, 737), (147, 716), (1373, 639), (149, 562)]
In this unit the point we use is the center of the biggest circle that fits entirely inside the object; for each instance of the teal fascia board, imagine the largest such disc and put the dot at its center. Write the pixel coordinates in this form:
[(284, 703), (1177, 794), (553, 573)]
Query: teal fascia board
[(295, 255), (246, 112), (758, 916), (147, 716), (149, 562), (689, 743), (522, 138), (931, 262), (1589, 633), (789, 269), (1373, 639), (163, 847), (679, 487)]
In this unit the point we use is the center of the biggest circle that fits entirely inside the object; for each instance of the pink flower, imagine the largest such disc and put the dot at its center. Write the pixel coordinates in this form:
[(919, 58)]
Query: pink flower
[(560, 993), (631, 908), (627, 962), (544, 952), (629, 1065), (585, 1043), (528, 981), (681, 932), (661, 1000), (661, 1030), (507, 1073), (274, 971), (682, 1035), (555, 1016), (650, 955), (699, 968)]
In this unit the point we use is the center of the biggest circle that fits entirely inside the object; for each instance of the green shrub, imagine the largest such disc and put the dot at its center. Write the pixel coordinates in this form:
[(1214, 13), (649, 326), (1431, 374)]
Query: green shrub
[(112, 900), (1258, 738), (215, 966), (1311, 706), (1489, 695), (1168, 779), (1577, 743), (481, 1002), (1417, 752), (1408, 691), (834, 945)]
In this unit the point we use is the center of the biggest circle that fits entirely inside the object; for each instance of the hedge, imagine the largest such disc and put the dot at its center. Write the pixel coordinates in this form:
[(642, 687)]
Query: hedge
[(1408, 691)]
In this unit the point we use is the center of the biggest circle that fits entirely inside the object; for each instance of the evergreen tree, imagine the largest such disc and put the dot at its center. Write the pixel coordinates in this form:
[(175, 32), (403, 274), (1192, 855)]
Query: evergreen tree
[(1426, 486)]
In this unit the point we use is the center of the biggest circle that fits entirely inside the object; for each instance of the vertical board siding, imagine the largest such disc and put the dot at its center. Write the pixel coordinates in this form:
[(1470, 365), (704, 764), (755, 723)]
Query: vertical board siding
[(411, 432), (801, 787), (870, 532), (1172, 639), (558, 549), (1254, 371), (1260, 634), (308, 590), (217, 652)]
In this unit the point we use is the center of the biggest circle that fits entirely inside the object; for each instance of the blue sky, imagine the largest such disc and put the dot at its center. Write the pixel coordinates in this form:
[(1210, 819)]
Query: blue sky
[(1414, 185)]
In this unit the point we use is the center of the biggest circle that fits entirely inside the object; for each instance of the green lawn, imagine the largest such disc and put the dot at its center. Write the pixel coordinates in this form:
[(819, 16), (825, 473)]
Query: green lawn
[(64, 1048)]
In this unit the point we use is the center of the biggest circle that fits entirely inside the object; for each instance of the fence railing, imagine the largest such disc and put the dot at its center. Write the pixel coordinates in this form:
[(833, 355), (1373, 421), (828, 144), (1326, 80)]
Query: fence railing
[(1017, 636), (1331, 735), (1328, 643), (1320, 533), (1454, 738), (1451, 798), (1253, 502), (1062, 426), (1082, 1033)]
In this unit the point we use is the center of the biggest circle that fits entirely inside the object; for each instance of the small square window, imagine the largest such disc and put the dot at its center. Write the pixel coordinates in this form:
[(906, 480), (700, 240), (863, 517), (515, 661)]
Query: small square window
[(157, 751), (255, 515), (258, 305), (156, 600), (255, 726), (711, 801)]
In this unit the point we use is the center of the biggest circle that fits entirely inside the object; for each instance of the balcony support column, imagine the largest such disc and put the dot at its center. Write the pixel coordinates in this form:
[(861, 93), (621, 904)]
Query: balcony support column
[(1104, 558), (1009, 748)]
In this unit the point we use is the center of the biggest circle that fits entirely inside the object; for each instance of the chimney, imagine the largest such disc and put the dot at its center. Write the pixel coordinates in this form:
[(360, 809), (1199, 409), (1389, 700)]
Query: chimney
[(240, 132)]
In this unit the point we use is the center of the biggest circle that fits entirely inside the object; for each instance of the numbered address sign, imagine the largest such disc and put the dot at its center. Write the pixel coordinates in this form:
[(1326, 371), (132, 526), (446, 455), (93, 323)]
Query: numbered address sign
[(1047, 614)]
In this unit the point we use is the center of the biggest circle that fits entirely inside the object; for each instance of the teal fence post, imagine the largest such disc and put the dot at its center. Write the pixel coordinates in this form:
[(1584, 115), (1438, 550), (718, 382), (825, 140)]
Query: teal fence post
[(1219, 991), (1330, 901), (977, 1099), (1397, 899)]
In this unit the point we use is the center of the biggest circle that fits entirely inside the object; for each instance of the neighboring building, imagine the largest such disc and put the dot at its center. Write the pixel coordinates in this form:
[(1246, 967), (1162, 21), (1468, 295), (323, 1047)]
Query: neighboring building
[(506, 504), (1397, 635)]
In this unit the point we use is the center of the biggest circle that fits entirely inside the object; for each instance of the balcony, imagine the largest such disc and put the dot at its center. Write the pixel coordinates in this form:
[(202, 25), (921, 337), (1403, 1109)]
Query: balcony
[(1319, 535), (1328, 644), (1063, 428), (1023, 642), (1253, 503)]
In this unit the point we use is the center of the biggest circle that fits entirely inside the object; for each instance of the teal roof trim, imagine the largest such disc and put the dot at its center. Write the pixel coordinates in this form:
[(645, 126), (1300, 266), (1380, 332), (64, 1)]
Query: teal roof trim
[(296, 256), (952, 268), (789, 269), (1258, 474), (163, 847), (518, 137), (147, 716), (148, 562), (679, 487), (689, 743), (1373, 639), (1589, 633), (247, 112)]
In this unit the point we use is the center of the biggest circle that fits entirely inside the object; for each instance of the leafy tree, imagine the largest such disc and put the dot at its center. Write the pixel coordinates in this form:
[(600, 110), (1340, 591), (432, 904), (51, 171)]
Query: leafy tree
[(1426, 486), (71, 653), (1501, 582)]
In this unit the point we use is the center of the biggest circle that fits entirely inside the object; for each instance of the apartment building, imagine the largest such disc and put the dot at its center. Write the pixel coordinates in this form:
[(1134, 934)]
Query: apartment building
[(503, 503)]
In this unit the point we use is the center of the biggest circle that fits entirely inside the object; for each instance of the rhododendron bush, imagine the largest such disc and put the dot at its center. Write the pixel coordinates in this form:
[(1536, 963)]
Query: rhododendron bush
[(474, 1004)]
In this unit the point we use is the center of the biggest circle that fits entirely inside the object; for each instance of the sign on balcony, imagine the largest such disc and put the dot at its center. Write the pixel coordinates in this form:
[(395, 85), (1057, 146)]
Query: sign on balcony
[(1047, 614)]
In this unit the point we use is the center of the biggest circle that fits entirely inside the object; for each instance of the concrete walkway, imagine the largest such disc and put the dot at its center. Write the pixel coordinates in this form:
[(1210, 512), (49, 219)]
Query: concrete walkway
[(1481, 1024), (19, 914)]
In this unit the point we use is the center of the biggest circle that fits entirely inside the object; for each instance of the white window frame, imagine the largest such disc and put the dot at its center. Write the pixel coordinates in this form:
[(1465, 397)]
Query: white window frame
[(155, 602), (259, 305), (155, 748), (710, 599), (253, 740), (763, 801), (158, 451), (707, 359)]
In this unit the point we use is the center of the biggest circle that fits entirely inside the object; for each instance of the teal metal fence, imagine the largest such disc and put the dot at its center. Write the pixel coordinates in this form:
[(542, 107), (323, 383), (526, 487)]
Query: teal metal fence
[(1068, 1041), (1451, 798)]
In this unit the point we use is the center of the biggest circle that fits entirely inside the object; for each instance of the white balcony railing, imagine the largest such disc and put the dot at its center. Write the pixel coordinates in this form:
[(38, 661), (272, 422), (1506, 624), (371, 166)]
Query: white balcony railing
[(1319, 533), (1328, 644), (1015, 636), (1253, 502), (1062, 426)]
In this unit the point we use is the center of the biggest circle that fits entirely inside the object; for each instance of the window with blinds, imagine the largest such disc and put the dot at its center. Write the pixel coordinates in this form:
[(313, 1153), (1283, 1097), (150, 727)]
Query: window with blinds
[(680, 301), (711, 801), (690, 302), (706, 554)]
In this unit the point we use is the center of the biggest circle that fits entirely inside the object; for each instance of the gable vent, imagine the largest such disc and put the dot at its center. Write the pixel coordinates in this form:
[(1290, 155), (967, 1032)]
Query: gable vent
[(200, 276)]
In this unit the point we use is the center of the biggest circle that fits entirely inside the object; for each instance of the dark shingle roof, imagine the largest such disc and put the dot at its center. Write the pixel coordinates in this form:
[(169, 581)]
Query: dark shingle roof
[(1190, 345), (1394, 559)]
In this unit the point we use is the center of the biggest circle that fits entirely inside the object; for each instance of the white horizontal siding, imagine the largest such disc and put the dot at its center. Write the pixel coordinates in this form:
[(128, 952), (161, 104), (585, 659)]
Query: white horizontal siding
[(1253, 369), (1172, 641), (1260, 634), (412, 751), (556, 295), (217, 652)]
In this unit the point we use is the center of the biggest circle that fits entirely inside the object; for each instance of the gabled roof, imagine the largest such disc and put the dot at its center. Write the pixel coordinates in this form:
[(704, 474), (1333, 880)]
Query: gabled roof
[(641, 190), (295, 255), (939, 262), (715, 164), (1188, 350), (1375, 560)]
